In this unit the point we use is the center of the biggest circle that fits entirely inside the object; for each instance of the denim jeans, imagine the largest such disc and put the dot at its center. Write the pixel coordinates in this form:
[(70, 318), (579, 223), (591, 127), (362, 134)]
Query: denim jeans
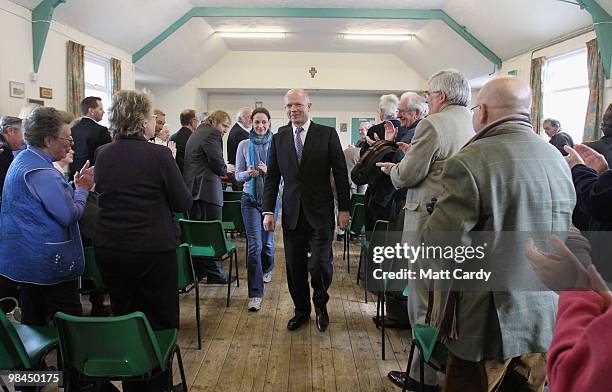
[(260, 257)]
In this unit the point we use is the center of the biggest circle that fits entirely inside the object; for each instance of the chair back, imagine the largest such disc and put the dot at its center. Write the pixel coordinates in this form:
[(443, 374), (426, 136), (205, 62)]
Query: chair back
[(186, 274), (232, 212), (205, 234), (91, 270), (357, 225), (232, 195), (13, 354), (357, 198), (180, 215), (122, 346)]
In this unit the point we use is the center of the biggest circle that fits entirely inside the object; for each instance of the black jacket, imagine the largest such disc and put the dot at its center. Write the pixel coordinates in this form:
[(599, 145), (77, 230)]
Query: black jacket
[(5, 161), (236, 135), (140, 188), (180, 138), (307, 184), (88, 135), (603, 146), (204, 165)]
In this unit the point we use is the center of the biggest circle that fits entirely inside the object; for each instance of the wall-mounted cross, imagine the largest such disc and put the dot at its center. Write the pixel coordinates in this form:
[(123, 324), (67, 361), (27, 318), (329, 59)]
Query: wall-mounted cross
[(312, 71)]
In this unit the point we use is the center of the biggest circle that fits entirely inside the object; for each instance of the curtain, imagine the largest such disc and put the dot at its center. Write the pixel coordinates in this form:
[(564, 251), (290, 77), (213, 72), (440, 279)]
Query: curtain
[(594, 112), (537, 94), (115, 75), (76, 77)]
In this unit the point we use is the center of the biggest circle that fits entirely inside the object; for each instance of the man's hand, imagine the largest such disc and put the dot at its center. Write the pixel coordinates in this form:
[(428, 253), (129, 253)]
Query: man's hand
[(262, 166), (405, 147), (599, 285), (390, 131), (268, 222), (385, 167), (370, 141), (172, 147), (559, 272), (592, 158), (231, 168), (343, 218), (84, 178)]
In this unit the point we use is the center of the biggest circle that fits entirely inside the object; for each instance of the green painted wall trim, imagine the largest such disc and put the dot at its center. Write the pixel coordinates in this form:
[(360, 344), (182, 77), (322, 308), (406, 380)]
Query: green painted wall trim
[(41, 20), (338, 13), (602, 21)]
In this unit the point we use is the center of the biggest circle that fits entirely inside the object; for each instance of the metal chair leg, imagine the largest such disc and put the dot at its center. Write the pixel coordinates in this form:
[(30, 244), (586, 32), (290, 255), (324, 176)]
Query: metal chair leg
[(197, 295), (421, 371), (359, 265), (381, 295), (365, 278), (229, 281), (407, 375), (236, 264), (181, 369)]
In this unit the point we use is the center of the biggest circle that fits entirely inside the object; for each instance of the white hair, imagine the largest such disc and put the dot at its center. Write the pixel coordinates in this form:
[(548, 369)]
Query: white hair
[(241, 112), (388, 105), (454, 84), (415, 102)]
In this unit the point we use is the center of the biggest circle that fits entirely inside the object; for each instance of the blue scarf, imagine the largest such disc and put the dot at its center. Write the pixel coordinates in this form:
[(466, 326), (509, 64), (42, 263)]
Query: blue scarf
[(258, 152)]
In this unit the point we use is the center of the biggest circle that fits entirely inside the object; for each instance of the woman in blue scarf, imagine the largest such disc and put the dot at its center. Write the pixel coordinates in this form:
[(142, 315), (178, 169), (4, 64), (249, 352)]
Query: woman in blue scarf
[(251, 168)]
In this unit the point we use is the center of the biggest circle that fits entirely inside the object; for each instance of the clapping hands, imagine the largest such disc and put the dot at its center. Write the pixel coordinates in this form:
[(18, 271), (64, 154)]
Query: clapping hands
[(84, 178)]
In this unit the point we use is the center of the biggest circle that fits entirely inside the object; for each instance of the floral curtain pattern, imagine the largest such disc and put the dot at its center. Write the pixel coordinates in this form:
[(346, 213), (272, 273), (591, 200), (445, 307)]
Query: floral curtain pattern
[(594, 112), (115, 75), (537, 93), (76, 77)]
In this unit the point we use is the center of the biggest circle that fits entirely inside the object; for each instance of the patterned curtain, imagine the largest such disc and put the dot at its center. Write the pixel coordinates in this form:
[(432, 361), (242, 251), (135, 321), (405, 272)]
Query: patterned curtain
[(115, 75), (537, 94), (76, 77), (592, 121)]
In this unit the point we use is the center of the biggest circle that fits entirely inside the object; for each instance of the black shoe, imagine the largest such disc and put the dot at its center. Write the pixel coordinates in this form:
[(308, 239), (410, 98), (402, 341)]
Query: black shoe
[(296, 321), (413, 385), (219, 280), (322, 319)]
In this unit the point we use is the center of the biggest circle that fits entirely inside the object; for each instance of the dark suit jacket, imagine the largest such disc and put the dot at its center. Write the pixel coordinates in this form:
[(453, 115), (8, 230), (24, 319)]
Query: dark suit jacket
[(180, 138), (307, 184), (603, 146), (140, 186), (236, 135), (204, 165), (88, 135), (561, 139)]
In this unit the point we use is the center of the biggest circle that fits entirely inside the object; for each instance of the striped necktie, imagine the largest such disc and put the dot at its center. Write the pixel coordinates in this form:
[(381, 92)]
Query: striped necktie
[(299, 145)]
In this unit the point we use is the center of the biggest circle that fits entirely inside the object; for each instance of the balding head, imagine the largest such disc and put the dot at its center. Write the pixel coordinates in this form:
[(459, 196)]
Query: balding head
[(297, 105), (244, 117), (501, 97)]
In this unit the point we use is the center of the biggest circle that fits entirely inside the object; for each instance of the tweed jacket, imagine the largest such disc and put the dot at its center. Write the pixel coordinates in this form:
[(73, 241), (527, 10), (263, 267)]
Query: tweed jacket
[(436, 139), (505, 179)]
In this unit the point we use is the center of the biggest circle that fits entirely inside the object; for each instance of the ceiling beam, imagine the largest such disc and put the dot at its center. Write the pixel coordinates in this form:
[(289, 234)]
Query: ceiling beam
[(602, 22), (324, 13), (41, 20)]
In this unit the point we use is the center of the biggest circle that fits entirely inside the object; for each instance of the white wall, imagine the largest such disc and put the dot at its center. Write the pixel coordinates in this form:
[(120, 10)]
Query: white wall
[(522, 63), (16, 64)]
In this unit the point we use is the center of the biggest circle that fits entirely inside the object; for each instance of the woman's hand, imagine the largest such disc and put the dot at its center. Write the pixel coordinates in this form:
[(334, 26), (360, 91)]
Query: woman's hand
[(84, 178), (253, 172), (262, 166)]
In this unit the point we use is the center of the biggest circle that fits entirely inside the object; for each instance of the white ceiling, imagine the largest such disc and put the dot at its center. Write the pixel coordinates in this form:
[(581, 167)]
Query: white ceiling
[(507, 27)]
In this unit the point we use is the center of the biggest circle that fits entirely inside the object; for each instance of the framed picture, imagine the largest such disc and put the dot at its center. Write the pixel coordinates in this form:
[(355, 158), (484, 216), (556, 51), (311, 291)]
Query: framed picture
[(46, 93), (258, 104), (17, 89), (343, 127), (38, 102)]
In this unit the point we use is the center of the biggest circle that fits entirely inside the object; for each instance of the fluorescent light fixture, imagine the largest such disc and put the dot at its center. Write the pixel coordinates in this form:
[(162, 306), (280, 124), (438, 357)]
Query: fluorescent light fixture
[(379, 37), (250, 34)]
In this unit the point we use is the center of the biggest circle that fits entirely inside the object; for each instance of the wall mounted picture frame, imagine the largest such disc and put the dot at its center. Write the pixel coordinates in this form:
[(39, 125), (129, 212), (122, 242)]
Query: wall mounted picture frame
[(258, 104), (46, 93), (38, 102), (17, 89)]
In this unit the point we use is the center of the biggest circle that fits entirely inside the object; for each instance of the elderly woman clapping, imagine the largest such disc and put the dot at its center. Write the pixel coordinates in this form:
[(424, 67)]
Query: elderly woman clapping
[(40, 244)]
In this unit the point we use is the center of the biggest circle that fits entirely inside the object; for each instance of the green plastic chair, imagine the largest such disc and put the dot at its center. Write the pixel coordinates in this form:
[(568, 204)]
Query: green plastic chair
[(187, 281), (431, 351), (232, 216), (180, 215), (232, 195), (120, 348), (356, 227), (357, 198), (91, 271), (207, 239), (24, 347)]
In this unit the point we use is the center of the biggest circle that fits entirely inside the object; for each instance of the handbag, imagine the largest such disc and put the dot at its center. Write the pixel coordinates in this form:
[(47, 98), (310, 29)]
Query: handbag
[(366, 171)]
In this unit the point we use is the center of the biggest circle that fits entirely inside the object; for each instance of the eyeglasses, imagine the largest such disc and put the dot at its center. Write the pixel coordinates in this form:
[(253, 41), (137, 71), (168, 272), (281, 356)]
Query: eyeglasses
[(474, 108), (68, 139), (430, 93)]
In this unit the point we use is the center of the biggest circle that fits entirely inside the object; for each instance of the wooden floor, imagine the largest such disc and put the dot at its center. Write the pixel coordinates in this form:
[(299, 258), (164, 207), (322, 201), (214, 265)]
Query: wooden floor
[(254, 351)]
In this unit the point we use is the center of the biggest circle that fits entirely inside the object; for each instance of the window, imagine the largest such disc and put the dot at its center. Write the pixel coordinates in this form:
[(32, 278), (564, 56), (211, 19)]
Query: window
[(98, 80), (566, 92)]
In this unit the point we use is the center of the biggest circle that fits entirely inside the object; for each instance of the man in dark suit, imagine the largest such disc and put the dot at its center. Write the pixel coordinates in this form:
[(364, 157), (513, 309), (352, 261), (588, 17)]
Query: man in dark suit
[(204, 165), (87, 134), (558, 138), (189, 123), (303, 154), (604, 145), (11, 139), (239, 132)]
